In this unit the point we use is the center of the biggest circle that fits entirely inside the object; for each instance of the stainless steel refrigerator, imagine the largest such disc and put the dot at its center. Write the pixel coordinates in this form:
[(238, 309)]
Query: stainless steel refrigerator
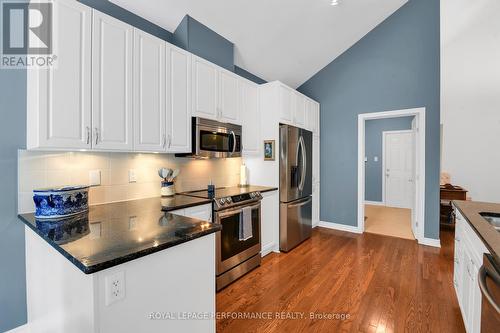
[(295, 186)]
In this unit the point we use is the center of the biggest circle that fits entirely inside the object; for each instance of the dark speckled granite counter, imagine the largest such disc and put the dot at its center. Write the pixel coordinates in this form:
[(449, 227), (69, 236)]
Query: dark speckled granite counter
[(111, 234), (491, 238)]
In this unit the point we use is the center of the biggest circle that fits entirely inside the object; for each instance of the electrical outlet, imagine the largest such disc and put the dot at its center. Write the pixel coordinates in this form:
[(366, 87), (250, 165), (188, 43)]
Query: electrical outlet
[(132, 176), (114, 286), (94, 177)]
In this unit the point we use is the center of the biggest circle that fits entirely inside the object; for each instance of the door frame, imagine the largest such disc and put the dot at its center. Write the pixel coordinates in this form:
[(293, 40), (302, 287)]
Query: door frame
[(419, 114), (384, 178)]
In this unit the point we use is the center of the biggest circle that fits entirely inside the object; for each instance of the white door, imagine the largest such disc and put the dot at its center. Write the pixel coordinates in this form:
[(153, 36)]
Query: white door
[(398, 169), (179, 100), (112, 83), (300, 110), (248, 100), (228, 97), (63, 93), (204, 89), (149, 92), (286, 104)]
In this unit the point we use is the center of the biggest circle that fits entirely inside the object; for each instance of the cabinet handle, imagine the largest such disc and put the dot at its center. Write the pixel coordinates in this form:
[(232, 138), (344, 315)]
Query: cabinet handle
[(169, 141), (96, 135), (164, 141), (88, 134)]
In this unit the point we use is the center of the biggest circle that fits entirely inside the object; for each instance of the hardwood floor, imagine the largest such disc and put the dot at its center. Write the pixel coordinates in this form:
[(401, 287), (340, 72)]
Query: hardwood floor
[(384, 284)]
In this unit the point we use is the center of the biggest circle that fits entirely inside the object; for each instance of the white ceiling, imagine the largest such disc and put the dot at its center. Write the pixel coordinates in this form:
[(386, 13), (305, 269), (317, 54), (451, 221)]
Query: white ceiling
[(286, 40)]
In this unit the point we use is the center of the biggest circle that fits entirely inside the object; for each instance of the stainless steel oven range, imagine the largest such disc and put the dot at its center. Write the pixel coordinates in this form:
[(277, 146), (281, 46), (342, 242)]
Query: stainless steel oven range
[(236, 254)]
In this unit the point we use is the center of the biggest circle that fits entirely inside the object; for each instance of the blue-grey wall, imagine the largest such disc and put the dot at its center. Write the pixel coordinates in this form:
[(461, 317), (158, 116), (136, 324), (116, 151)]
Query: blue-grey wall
[(198, 39), (373, 147), (247, 75), (12, 138), (395, 66)]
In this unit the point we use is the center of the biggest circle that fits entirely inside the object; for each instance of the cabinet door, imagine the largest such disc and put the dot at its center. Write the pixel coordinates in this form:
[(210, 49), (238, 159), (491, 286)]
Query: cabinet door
[(315, 204), (250, 115), (179, 100), (112, 83), (316, 159), (60, 97), (286, 104), (228, 97), (269, 222), (475, 298), (300, 110), (149, 92), (310, 121), (204, 89), (317, 117), (466, 286)]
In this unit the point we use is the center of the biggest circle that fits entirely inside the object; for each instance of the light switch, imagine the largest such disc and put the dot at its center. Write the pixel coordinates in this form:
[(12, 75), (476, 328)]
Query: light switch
[(132, 176), (95, 177), (375, 159)]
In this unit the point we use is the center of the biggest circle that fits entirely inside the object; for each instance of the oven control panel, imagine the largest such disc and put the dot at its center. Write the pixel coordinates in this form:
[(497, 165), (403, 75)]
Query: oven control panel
[(234, 200)]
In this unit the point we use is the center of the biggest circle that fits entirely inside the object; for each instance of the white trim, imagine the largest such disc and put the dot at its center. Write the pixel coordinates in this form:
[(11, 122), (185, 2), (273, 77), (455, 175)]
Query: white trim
[(341, 227), (384, 141), (419, 114), (429, 242), (20, 329), (375, 203), (266, 249)]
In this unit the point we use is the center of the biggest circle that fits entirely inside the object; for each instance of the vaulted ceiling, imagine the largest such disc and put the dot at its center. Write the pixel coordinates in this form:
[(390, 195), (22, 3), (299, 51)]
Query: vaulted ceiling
[(286, 40)]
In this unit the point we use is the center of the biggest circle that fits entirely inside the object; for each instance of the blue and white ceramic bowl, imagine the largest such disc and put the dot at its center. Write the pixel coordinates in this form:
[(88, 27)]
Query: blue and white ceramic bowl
[(51, 203)]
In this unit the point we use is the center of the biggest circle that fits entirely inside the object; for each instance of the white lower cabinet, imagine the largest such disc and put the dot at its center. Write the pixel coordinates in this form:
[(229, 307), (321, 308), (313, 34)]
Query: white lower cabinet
[(468, 257), (269, 222)]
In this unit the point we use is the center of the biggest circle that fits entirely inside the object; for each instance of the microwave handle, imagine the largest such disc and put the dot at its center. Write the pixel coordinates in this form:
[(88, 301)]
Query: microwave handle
[(234, 141)]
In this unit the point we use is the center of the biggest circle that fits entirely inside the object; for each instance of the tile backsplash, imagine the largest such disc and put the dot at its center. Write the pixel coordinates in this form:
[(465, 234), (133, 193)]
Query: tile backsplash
[(47, 169)]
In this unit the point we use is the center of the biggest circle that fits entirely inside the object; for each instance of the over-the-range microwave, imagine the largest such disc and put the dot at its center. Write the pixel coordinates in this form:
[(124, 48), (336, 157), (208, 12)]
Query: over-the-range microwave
[(213, 139)]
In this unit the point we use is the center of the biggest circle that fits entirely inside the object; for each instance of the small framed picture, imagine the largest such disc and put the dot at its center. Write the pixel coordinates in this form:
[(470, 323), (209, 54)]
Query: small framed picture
[(269, 150)]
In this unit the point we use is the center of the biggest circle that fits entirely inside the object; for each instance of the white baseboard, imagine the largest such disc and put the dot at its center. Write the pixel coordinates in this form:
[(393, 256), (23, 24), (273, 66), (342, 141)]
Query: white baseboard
[(20, 329), (375, 203), (266, 249), (314, 225), (430, 242), (338, 226)]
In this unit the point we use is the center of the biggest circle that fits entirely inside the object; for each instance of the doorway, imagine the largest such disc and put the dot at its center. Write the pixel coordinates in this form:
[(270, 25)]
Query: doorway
[(401, 172)]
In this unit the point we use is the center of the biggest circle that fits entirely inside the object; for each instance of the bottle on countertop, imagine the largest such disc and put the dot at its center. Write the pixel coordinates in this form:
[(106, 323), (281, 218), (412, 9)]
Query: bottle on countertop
[(211, 190)]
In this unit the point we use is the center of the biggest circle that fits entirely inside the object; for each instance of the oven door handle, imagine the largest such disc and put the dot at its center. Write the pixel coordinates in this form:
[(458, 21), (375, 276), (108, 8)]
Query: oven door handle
[(483, 273), (239, 209)]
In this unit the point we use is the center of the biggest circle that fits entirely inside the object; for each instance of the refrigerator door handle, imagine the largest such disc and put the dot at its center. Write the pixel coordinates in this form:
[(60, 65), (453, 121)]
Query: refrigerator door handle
[(302, 202), (303, 152)]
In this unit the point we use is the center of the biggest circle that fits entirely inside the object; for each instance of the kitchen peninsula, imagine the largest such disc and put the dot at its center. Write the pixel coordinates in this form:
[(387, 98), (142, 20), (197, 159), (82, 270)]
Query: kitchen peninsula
[(118, 266)]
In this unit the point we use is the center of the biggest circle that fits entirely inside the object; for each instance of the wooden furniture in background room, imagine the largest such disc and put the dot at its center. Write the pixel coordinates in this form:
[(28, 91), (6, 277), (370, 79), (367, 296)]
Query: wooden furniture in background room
[(448, 193)]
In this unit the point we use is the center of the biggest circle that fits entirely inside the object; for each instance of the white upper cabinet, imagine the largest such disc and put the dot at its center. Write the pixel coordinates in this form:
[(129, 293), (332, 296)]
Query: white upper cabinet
[(286, 104), (248, 106), (300, 110), (204, 89), (228, 97), (178, 100), (312, 116), (112, 83), (149, 92), (59, 98)]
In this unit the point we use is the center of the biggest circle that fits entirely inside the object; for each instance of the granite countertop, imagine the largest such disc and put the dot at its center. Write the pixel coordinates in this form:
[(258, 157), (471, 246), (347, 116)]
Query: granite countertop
[(111, 234), (179, 201), (490, 237)]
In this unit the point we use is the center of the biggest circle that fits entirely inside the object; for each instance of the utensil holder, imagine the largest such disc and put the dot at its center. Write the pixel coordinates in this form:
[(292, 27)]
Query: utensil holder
[(167, 189)]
